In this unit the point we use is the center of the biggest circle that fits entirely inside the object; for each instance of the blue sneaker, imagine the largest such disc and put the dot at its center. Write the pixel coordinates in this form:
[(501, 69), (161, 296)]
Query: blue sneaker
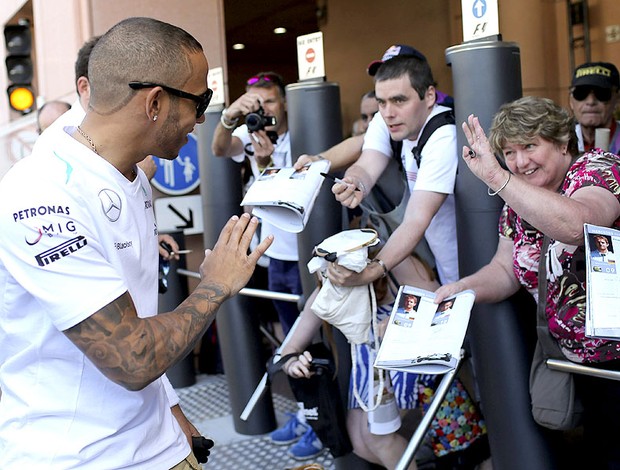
[(290, 432), (308, 447)]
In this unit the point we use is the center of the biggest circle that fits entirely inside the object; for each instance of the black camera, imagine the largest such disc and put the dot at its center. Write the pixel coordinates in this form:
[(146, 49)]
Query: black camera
[(258, 121), (320, 366)]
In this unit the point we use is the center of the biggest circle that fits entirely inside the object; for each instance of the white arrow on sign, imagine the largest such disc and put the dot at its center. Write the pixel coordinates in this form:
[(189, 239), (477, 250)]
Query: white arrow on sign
[(179, 213)]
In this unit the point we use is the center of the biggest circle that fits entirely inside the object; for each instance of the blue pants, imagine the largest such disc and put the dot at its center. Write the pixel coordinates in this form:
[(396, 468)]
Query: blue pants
[(283, 276)]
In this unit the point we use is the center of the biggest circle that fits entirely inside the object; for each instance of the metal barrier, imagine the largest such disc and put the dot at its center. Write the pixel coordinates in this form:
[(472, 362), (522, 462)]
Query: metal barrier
[(264, 294), (566, 366), (427, 419)]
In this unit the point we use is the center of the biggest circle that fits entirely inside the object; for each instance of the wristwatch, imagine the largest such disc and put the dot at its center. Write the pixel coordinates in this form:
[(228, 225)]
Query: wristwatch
[(230, 125)]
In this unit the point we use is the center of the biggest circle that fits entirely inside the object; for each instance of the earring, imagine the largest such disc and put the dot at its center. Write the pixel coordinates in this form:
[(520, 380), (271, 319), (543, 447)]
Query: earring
[(155, 118)]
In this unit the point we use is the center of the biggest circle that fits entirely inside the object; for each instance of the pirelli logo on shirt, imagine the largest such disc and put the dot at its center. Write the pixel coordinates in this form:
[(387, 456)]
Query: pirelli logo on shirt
[(61, 251)]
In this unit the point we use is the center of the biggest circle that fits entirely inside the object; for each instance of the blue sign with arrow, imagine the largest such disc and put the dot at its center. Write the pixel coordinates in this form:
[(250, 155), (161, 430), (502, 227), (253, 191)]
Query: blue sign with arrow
[(479, 8), (181, 175)]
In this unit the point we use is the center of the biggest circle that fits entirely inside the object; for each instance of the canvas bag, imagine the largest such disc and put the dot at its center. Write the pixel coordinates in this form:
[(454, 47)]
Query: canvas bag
[(555, 404)]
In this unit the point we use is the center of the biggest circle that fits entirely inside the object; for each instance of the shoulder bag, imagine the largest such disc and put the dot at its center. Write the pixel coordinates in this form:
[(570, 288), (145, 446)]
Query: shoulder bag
[(555, 404)]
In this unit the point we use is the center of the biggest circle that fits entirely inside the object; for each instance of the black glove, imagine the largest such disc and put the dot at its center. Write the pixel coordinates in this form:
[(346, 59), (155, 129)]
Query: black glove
[(200, 447)]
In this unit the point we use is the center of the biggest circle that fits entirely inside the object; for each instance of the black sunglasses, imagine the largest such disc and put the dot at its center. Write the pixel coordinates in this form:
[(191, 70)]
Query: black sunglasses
[(580, 93), (202, 101)]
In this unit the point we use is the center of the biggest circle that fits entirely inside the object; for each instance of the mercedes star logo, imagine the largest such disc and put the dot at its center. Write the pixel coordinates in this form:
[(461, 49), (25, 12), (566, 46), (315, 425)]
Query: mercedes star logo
[(110, 204)]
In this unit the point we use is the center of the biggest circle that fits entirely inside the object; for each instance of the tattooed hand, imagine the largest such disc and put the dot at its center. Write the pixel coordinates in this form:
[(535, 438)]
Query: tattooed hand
[(228, 265)]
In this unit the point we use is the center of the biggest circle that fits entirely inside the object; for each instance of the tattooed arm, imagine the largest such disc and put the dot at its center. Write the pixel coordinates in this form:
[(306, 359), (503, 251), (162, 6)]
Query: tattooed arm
[(132, 351)]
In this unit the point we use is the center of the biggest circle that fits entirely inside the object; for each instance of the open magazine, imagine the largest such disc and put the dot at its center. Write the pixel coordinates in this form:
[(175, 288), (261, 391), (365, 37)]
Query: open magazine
[(602, 246), (284, 197), (422, 336)]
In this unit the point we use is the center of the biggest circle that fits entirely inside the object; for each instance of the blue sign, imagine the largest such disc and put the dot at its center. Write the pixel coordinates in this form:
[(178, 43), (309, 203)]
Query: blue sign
[(479, 8), (179, 176)]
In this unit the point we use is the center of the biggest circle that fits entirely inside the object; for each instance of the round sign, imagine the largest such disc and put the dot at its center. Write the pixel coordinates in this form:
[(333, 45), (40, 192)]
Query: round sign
[(179, 176), (310, 55)]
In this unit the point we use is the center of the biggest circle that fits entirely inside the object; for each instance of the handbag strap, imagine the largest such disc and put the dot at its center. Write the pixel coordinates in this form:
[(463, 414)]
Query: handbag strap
[(547, 342)]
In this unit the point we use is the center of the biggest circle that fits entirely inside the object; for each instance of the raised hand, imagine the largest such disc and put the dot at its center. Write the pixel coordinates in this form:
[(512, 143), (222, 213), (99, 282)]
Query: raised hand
[(228, 264)]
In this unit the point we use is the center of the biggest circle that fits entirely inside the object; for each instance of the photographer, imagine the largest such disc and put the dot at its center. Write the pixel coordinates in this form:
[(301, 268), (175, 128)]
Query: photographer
[(264, 100)]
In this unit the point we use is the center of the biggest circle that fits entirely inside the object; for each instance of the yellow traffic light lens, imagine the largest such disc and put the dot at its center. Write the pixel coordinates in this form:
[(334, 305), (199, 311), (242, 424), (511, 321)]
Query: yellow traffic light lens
[(21, 98)]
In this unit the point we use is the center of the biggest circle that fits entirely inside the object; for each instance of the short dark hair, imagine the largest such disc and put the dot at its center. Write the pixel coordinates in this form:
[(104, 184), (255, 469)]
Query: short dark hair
[(81, 63), (143, 49), (418, 71)]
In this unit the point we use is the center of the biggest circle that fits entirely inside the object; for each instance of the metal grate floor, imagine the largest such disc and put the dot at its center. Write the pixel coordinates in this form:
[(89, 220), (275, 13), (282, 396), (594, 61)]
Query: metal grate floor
[(207, 406)]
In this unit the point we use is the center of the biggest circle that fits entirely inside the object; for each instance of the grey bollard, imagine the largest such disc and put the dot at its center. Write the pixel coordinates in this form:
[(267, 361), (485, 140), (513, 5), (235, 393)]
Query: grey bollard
[(487, 74), (314, 123), (237, 325)]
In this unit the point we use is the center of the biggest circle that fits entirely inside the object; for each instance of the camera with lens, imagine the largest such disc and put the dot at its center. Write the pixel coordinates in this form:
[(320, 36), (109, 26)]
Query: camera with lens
[(258, 121)]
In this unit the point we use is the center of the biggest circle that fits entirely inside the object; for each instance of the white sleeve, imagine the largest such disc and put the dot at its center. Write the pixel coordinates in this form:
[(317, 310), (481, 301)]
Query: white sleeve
[(377, 136), (173, 398), (242, 134), (439, 162)]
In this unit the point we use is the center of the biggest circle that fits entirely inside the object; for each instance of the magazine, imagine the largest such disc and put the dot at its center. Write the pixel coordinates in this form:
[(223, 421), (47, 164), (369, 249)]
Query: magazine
[(284, 197), (602, 282), (422, 336)]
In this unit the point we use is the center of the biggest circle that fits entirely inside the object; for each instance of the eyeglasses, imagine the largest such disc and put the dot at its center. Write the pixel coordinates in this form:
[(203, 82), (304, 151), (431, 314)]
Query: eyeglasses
[(202, 101), (580, 93), (267, 77)]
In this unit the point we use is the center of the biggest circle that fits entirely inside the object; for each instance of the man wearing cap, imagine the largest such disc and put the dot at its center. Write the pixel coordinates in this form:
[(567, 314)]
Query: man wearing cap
[(593, 99), (348, 151), (405, 91)]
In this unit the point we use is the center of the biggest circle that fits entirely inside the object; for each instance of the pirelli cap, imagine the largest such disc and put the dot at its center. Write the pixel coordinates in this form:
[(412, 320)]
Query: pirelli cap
[(598, 74)]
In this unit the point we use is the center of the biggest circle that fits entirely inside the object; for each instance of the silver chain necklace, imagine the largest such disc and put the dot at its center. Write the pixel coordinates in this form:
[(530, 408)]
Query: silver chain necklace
[(94, 149), (89, 140)]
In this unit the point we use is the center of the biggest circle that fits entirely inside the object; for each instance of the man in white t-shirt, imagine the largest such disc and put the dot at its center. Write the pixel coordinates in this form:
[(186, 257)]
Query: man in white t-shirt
[(83, 351), (74, 117), (405, 92), (266, 147)]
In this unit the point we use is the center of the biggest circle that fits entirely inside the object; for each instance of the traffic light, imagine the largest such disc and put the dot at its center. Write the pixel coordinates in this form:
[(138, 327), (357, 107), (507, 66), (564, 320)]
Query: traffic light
[(19, 66)]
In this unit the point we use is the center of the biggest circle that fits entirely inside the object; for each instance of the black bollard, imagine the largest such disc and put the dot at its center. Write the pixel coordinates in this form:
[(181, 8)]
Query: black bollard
[(237, 324), (315, 125), (183, 373), (487, 74)]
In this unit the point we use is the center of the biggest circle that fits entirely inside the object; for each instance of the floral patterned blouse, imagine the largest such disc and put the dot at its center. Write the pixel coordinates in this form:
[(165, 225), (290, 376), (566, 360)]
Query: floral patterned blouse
[(566, 269)]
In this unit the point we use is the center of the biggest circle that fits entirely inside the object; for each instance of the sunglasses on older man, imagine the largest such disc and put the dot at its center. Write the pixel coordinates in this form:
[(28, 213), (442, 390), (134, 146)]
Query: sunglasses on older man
[(202, 101), (580, 93)]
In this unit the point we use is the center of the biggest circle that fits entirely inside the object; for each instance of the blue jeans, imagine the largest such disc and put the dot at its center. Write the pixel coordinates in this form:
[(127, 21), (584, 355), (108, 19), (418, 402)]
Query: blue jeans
[(283, 276)]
